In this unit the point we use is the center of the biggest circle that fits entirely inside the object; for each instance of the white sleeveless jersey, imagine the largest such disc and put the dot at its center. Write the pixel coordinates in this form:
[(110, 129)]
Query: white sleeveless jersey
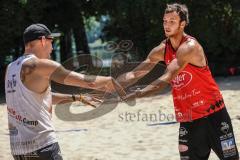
[(29, 113)]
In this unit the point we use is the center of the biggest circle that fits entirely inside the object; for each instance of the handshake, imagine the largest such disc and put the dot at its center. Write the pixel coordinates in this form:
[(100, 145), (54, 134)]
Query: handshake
[(110, 86)]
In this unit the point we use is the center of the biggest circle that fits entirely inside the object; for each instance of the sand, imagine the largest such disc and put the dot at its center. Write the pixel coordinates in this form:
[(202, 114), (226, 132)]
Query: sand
[(118, 135)]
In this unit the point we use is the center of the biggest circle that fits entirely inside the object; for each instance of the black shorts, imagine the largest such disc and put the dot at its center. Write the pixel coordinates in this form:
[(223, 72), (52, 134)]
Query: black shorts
[(50, 152), (197, 138)]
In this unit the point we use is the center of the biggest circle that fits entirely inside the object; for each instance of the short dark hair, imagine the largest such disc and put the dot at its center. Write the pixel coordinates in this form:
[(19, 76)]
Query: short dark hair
[(181, 10)]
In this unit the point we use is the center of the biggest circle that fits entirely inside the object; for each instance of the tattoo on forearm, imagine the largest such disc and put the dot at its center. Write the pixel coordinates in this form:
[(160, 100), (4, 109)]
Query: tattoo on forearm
[(59, 74)]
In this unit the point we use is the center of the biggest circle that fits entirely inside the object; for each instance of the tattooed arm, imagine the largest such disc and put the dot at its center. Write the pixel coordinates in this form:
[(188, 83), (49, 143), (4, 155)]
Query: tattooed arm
[(37, 73)]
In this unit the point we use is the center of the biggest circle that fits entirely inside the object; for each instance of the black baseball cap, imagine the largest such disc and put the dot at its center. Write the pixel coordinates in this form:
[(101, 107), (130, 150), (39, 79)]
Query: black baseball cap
[(35, 31)]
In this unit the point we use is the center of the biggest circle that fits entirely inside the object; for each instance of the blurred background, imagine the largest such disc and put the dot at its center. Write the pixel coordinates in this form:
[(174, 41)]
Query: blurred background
[(119, 31)]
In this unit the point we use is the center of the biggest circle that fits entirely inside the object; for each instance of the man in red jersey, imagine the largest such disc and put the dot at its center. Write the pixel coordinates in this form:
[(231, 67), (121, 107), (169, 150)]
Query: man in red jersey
[(199, 107)]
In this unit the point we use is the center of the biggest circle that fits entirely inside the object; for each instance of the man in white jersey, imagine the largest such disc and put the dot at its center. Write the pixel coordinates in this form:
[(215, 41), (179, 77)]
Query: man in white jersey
[(29, 97)]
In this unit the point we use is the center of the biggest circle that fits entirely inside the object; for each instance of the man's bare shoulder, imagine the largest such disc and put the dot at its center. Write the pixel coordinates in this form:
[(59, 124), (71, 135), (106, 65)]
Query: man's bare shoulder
[(30, 63), (39, 66), (191, 46), (157, 53), (39, 62), (192, 52), (160, 48)]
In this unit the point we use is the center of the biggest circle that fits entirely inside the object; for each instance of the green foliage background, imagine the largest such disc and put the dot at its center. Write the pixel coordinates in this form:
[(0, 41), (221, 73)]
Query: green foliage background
[(215, 23)]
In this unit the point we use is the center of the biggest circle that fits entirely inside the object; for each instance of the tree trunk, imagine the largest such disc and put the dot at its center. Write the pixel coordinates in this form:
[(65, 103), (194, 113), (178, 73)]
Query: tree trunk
[(81, 42), (66, 45), (81, 37)]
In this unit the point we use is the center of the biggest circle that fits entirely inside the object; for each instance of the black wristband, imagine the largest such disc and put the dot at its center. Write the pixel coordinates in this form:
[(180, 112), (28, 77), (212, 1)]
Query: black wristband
[(73, 97)]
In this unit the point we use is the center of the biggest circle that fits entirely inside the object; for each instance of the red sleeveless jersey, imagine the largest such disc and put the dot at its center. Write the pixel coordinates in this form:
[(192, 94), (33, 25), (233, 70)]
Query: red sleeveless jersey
[(195, 92)]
